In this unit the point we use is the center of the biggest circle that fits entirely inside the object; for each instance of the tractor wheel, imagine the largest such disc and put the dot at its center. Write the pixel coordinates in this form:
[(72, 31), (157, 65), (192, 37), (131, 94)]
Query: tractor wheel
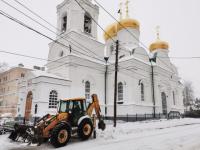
[(85, 129), (60, 135)]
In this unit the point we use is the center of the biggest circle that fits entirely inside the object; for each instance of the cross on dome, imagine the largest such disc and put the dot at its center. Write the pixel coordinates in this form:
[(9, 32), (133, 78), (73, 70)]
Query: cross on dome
[(127, 8)]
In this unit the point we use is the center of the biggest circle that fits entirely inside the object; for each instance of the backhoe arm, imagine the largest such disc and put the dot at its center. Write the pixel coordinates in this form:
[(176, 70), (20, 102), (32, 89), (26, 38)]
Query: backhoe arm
[(95, 106)]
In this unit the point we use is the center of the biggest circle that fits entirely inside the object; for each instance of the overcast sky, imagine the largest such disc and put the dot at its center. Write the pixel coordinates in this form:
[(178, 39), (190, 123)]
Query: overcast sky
[(179, 23)]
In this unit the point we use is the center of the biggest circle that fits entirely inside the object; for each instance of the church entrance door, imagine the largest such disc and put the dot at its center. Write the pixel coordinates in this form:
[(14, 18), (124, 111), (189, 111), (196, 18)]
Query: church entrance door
[(164, 103), (28, 106)]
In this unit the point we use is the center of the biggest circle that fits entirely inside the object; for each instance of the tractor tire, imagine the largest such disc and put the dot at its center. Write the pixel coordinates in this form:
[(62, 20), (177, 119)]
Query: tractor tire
[(85, 129), (60, 135)]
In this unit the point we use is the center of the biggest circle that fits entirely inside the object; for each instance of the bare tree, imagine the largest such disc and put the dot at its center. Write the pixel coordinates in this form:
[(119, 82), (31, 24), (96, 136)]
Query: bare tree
[(197, 103), (3, 67), (188, 95)]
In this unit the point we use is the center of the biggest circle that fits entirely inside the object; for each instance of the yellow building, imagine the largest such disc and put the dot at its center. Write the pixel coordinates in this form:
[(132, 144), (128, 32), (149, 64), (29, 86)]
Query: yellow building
[(9, 89)]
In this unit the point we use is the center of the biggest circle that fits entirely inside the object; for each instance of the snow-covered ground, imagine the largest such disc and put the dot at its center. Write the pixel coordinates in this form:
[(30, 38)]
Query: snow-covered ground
[(183, 134)]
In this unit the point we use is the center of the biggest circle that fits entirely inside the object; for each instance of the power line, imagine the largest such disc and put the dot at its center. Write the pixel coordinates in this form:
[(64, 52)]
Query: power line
[(35, 14), (129, 32), (68, 47), (30, 28), (49, 23), (61, 37), (8, 16), (72, 63), (43, 59)]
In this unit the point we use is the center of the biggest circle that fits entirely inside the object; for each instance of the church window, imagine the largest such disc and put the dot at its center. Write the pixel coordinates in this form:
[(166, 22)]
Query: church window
[(174, 99), (61, 54), (120, 93), (36, 108), (142, 91), (22, 75), (64, 23), (87, 90), (87, 23), (53, 99)]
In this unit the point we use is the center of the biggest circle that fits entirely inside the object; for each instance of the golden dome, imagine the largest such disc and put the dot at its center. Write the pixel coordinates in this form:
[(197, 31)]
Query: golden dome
[(111, 30), (128, 23), (159, 45)]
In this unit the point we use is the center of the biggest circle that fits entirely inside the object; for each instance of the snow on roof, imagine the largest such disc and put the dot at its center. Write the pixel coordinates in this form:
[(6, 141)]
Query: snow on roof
[(6, 115), (39, 73)]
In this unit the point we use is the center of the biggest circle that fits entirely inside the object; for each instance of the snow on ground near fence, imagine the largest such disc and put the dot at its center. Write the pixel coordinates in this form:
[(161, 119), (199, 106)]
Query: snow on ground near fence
[(179, 134)]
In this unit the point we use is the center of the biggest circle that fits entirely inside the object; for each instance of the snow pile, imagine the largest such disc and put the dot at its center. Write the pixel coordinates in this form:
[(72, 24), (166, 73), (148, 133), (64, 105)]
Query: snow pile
[(180, 134), (124, 129)]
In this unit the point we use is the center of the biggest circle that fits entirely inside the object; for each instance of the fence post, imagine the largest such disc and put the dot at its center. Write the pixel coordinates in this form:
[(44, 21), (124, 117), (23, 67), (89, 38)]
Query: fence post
[(159, 115), (127, 117), (24, 121), (145, 116)]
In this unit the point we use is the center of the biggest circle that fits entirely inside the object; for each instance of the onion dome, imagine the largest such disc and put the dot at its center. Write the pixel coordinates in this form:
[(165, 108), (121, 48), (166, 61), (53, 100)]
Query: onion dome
[(111, 30), (158, 45), (128, 23)]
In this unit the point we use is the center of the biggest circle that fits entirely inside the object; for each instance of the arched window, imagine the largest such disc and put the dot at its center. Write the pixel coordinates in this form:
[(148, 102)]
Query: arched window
[(87, 90), (120, 93), (87, 23), (36, 108), (142, 91), (61, 54), (64, 23), (53, 99)]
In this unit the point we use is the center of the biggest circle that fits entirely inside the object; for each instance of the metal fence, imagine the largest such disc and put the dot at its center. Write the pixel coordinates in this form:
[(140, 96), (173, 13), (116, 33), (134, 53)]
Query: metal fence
[(143, 117)]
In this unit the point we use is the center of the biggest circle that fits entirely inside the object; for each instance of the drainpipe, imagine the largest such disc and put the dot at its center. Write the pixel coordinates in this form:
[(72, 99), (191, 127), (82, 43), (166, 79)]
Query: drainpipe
[(153, 88), (106, 74)]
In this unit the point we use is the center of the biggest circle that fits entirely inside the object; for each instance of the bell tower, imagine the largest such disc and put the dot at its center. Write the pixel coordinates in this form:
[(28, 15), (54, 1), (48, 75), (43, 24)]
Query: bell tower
[(71, 17)]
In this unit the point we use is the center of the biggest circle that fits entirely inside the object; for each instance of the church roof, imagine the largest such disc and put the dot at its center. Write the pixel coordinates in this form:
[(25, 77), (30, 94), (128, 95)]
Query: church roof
[(38, 73)]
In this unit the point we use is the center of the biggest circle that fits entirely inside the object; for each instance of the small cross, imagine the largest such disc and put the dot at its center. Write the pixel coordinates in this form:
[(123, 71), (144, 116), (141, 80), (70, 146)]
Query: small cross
[(127, 8), (120, 10), (158, 32)]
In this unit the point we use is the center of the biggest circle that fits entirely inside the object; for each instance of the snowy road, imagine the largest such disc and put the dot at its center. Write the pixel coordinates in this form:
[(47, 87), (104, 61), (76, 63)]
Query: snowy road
[(181, 134)]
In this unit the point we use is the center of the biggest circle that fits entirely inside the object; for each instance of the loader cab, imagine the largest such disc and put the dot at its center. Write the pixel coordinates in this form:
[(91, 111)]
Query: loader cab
[(71, 106), (76, 108)]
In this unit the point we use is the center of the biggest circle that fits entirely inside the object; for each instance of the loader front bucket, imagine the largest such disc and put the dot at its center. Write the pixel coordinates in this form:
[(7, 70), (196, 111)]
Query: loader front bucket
[(21, 131), (13, 135)]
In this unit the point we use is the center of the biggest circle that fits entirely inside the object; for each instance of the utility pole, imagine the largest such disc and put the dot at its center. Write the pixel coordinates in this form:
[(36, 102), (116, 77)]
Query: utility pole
[(106, 74), (115, 89)]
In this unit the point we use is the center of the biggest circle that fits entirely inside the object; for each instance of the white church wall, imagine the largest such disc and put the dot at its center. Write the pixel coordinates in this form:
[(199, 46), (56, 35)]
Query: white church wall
[(79, 75), (44, 87), (41, 88), (132, 90), (126, 38)]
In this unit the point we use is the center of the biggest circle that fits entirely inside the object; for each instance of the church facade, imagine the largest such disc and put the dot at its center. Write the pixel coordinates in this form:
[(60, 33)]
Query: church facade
[(79, 65)]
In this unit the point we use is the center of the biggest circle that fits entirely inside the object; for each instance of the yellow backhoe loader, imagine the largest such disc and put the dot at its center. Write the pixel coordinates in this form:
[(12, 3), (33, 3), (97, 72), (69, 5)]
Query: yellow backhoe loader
[(74, 117)]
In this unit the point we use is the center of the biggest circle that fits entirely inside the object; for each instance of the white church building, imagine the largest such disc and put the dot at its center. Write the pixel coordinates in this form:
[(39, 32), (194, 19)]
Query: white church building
[(78, 67)]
